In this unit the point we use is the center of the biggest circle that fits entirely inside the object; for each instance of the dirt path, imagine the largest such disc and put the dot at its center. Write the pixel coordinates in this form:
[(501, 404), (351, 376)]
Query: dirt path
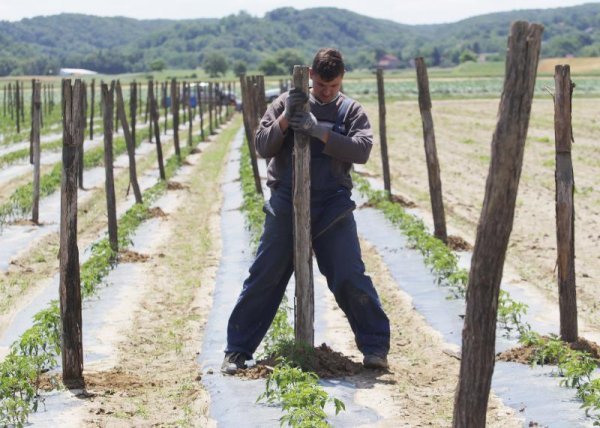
[(464, 130), (418, 390), (155, 380)]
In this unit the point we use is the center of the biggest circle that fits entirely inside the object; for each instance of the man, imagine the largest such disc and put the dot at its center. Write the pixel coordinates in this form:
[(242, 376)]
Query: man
[(340, 136)]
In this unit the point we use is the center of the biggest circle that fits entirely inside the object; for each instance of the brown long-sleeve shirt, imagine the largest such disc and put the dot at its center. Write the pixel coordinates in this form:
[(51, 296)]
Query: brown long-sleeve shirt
[(330, 168)]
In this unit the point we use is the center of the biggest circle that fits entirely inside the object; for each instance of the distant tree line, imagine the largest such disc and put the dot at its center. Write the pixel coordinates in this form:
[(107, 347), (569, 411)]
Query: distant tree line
[(272, 44)]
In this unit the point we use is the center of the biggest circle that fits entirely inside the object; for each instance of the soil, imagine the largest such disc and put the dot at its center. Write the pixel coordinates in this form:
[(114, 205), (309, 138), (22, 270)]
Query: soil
[(464, 131), (524, 354), (129, 256), (174, 185), (325, 362), (157, 212)]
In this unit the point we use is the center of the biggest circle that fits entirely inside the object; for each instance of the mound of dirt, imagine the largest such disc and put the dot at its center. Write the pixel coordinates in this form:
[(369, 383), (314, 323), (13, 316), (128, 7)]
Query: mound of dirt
[(157, 212), (175, 185), (456, 243), (325, 362), (523, 354), (132, 257), (406, 203)]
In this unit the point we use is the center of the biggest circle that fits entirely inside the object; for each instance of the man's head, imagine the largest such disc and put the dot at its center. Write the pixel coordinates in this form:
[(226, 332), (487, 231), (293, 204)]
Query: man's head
[(327, 73)]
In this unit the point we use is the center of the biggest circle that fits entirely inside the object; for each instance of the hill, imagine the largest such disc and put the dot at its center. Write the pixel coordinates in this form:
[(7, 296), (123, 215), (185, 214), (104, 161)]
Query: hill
[(42, 45)]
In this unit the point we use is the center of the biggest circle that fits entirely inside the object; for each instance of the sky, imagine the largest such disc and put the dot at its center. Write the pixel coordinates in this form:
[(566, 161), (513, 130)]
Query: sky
[(402, 11)]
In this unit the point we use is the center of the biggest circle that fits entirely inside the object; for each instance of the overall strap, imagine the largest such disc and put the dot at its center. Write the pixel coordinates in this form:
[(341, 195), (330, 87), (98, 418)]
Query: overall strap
[(339, 126)]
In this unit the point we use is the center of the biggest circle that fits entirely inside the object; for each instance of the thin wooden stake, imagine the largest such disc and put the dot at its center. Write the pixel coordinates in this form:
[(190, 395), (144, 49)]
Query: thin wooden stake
[(382, 134), (565, 211), (154, 121), (433, 165), (130, 142), (305, 316), (35, 137), (109, 184)]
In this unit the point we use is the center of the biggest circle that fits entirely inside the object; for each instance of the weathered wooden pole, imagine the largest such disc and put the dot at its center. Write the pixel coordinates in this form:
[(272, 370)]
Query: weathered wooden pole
[(495, 225), (565, 211), (130, 143), (247, 103), (70, 284), (190, 112), (382, 133), (154, 121), (109, 184), (175, 113), (164, 104), (18, 106), (433, 165), (211, 104), (147, 112), (22, 102), (31, 129), (35, 138), (200, 109), (80, 144), (4, 101), (133, 103), (305, 312), (92, 102)]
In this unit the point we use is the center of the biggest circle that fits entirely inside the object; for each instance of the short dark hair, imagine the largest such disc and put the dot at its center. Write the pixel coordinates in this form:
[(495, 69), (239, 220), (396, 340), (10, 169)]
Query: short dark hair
[(328, 63)]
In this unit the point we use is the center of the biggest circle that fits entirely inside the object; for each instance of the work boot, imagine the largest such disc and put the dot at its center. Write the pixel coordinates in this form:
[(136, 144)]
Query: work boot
[(375, 362), (233, 362)]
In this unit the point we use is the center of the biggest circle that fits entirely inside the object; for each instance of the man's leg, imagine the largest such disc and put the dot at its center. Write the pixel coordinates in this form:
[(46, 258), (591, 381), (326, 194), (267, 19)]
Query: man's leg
[(339, 258), (264, 288)]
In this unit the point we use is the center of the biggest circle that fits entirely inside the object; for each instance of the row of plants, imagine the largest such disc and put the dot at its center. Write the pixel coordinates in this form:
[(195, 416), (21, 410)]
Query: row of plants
[(575, 368), (290, 385), (21, 200), (36, 351)]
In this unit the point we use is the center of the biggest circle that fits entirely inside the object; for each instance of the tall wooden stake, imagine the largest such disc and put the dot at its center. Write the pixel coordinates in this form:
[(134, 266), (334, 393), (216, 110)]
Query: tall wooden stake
[(247, 98), (305, 312), (495, 225), (154, 121), (433, 165), (109, 184), (35, 138), (130, 142), (70, 284), (175, 113), (565, 211), (382, 133)]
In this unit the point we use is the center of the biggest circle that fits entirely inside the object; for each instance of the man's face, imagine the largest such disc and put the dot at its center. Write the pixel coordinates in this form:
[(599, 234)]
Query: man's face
[(325, 90)]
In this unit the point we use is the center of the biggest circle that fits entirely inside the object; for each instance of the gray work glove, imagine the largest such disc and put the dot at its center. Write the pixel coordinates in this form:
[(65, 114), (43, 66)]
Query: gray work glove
[(306, 123), (294, 103)]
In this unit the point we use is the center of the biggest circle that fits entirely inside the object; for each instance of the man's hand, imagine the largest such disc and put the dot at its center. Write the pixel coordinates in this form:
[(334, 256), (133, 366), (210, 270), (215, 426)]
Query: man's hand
[(294, 103), (306, 123)]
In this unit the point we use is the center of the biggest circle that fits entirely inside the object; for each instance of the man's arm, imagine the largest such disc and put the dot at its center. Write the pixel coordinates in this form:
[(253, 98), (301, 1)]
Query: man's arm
[(355, 146)]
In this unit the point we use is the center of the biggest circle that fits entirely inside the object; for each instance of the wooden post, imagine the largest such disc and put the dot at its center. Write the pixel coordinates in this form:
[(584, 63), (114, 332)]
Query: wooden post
[(111, 205), (4, 101), (382, 134), (133, 103), (250, 131), (35, 137), (200, 109), (22, 103), (175, 113), (80, 144), (433, 166), (305, 312), (154, 121), (31, 130), (129, 141), (495, 225), (92, 97), (18, 106), (210, 108), (147, 112), (163, 93), (70, 284), (190, 112), (565, 211)]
